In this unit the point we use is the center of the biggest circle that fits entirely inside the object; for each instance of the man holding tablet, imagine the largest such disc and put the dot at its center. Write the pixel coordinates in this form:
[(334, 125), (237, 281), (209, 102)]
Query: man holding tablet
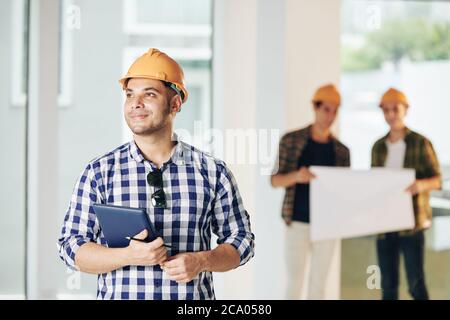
[(186, 193)]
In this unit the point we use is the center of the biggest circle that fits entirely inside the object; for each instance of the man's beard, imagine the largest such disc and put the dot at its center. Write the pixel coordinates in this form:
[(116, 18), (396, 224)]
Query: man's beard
[(150, 129), (154, 127)]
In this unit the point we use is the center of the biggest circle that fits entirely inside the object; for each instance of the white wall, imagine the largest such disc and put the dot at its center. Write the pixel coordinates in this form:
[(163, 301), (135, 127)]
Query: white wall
[(234, 108), (312, 54), (270, 114)]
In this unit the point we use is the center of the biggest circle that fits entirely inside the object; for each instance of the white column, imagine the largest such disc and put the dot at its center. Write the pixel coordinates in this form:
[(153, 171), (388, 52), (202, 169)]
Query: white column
[(312, 59), (270, 271), (42, 150), (234, 108), (312, 54)]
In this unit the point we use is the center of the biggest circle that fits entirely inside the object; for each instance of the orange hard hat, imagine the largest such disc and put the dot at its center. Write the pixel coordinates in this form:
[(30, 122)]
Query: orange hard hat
[(394, 95), (157, 65), (327, 93)]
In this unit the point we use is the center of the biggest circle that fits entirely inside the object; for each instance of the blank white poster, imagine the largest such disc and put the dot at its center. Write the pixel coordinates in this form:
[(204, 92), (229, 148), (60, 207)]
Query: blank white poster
[(348, 203)]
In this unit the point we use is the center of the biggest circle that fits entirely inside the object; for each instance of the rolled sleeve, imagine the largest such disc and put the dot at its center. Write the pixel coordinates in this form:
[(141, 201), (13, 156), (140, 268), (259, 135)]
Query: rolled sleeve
[(80, 224), (231, 222)]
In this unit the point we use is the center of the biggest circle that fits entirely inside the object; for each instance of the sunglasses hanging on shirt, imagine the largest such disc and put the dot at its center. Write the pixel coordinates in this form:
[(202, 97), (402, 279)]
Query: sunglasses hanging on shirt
[(154, 179)]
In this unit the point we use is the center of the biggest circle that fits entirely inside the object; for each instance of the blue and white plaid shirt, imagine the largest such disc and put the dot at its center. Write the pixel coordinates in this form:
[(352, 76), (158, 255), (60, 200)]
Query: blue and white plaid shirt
[(201, 194)]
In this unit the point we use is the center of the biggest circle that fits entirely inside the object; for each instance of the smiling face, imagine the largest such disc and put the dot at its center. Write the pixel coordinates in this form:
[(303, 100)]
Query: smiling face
[(394, 114), (150, 106)]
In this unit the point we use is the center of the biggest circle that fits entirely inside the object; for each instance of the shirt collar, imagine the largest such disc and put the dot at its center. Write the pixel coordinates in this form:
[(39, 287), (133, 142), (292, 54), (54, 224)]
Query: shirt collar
[(135, 153), (406, 138), (309, 134), (178, 156)]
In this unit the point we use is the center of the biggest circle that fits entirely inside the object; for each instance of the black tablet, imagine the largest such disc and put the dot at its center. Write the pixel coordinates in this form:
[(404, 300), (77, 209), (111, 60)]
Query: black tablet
[(118, 223)]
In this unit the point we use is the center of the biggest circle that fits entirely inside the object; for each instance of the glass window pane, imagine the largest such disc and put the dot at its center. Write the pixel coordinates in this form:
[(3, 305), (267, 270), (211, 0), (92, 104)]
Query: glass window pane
[(402, 44), (174, 11), (13, 63)]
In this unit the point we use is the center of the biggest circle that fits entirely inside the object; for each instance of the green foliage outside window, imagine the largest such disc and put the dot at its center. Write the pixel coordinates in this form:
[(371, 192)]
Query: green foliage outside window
[(415, 39)]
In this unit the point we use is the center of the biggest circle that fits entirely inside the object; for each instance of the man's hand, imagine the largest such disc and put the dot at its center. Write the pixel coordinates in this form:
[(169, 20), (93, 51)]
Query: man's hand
[(416, 187), (184, 267), (146, 254), (303, 175), (286, 180)]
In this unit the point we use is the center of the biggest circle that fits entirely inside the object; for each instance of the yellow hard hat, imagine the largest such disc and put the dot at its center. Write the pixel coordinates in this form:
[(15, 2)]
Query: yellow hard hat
[(394, 95), (327, 93), (157, 65)]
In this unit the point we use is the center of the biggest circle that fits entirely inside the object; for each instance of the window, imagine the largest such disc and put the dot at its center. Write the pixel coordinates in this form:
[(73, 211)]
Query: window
[(18, 59), (13, 92), (402, 44)]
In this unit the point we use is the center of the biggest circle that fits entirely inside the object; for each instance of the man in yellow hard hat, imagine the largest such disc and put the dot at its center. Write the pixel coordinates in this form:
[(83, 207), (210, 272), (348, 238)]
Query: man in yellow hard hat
[(185, 192), (404, 148), (310, 146)]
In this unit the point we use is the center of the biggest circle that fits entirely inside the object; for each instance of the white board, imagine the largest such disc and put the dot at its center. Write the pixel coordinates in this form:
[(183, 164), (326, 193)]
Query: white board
[(348, 203)]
